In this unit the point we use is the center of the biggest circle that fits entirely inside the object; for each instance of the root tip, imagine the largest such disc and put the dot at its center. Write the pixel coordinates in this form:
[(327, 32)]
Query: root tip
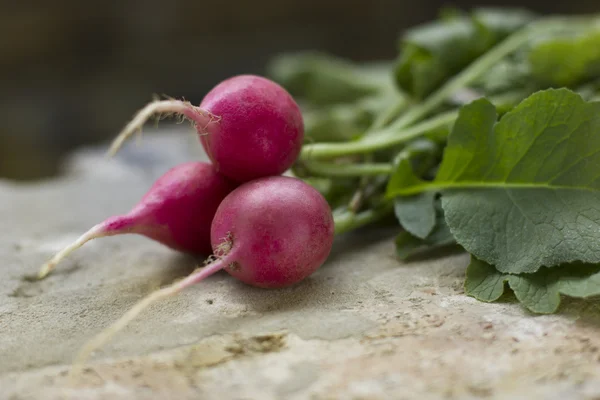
[(45, 270), (112, 151)]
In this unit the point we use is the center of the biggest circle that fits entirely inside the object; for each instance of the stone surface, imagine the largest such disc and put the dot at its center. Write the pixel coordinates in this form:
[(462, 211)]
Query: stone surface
[(365, 326)]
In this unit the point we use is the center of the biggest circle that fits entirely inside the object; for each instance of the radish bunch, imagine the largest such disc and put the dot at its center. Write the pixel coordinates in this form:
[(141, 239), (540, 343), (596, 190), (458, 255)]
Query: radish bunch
[(252, 129), (264, 229)]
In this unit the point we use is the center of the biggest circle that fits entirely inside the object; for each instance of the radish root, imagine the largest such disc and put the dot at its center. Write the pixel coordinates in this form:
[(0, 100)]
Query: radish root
[(103, 337), (94, 233), (163, 108)]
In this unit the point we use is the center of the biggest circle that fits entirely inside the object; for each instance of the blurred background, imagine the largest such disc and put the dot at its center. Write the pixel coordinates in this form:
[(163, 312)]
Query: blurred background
[(72, 73)]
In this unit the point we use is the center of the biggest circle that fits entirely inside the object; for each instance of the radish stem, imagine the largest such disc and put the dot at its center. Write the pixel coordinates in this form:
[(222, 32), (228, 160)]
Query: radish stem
[(393, 135), (347, 170), (348, 220), (376, 141)]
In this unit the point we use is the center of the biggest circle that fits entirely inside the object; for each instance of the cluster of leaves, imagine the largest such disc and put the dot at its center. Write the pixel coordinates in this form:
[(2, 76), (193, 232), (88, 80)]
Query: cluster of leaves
[(433, 52), (522, 192), (340, 99), (483, 136)]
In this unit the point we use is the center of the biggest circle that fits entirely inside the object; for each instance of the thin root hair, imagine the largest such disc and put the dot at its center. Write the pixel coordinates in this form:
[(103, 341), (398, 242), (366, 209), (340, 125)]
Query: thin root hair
[(158, 110), (225, 246)]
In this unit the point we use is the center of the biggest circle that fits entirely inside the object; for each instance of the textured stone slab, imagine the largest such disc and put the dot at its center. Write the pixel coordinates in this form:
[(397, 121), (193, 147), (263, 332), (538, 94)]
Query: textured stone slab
[(365, 326)]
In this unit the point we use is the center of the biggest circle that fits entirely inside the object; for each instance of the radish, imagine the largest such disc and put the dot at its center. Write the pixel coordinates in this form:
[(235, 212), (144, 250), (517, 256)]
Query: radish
[(177, 211), (270, 233), (249, 126)]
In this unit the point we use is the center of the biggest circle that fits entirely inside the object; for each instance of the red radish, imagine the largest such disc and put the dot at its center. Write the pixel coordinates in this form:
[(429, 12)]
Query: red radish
[(177, 211), (271, 233), (250, 126)]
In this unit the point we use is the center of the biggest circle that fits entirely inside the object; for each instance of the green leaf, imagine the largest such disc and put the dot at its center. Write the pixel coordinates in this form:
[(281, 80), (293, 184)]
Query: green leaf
[(416, 213), (347, 121), (433, 52), (523, 192), (501, 22), (323, 79), (539, 292), (409, 246), (506, 75), (566, 60), (483, 281), (338, 123), (420, 155), (404, 178)]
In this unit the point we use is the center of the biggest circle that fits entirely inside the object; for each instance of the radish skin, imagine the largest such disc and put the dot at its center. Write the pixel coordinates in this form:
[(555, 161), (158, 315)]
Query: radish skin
[(269, 233), (249, 126), (273, 232), (177, 211)]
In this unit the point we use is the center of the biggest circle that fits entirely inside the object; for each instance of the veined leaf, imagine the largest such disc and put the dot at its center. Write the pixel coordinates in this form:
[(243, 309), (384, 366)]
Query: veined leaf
[(409, 246), (416, 213), (523, 192), (539, 292)]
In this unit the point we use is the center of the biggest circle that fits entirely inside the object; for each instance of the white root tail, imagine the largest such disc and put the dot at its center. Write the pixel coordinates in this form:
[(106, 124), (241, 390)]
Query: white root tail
[(104, 336), (161, 107), (94, 233)]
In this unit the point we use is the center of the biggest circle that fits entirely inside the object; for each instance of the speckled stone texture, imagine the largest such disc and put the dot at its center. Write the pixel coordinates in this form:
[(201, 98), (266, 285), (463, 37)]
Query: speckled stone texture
[(365, 326)]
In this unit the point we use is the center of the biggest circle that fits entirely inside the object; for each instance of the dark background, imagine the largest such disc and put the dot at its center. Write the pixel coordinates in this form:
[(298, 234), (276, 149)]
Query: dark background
[(73, 72)]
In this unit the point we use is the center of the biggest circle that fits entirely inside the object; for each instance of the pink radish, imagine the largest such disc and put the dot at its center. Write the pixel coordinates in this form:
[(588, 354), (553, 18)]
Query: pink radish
[(270, 233), (250, 126), (177, 211)]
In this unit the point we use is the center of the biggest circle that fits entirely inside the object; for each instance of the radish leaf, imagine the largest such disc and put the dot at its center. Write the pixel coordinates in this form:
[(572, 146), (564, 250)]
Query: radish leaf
[(409, 246), (433, 52), (539, 292), (523, 192), (416, 213), (566, 60)]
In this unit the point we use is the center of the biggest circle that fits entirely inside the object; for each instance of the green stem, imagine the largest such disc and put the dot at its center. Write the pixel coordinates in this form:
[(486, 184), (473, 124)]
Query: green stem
[(423, 186), (347, 170), (357, 199), (388, 115), (393, 136), (381, 140), (377, 140), (475, 70), (349, 220)]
